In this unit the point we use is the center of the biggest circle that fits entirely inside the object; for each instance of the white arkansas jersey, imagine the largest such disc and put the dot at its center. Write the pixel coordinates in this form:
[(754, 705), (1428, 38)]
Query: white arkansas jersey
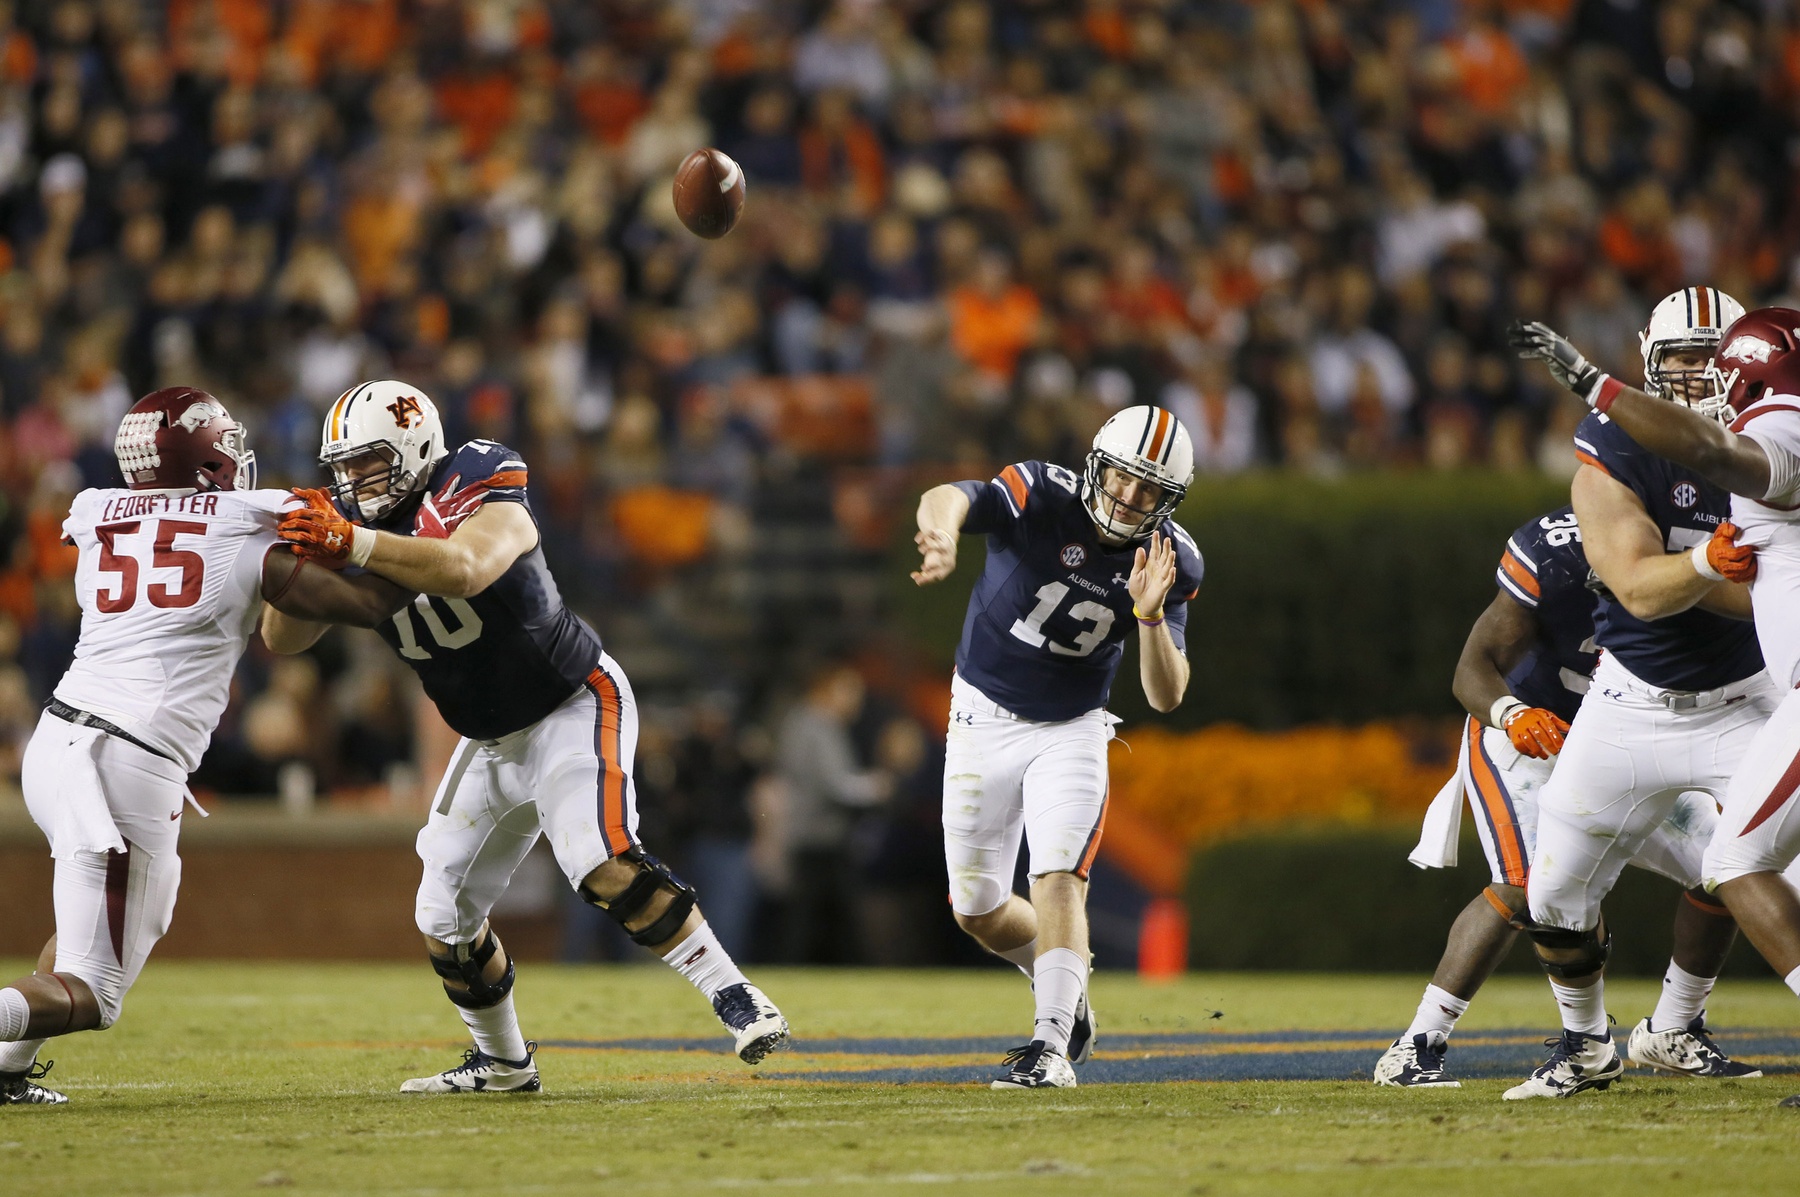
[(170, 586), (1772, 524)]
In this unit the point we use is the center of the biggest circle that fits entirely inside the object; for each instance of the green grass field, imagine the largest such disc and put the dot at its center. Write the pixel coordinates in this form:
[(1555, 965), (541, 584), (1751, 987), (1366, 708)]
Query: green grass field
[(234, 1078)]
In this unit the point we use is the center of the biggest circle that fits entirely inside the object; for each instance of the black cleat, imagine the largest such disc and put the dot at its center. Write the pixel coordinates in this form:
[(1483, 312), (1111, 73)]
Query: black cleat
[(1081, 1035), (19, 1089), (1037, 1065)]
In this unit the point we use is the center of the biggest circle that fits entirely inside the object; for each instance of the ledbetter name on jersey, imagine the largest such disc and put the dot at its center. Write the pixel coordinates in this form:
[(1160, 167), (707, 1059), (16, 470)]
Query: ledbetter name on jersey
[(1049, 616), (503, 659)]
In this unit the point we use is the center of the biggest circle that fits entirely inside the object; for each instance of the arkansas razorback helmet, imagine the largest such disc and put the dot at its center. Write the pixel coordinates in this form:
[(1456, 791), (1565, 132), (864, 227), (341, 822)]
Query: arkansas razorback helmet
[(1759, 355), (182, 437)]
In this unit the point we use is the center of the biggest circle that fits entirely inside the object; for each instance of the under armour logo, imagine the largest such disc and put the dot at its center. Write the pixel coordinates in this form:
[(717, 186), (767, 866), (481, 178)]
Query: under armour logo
[(966, 718), (405, 410), (697, 954), (1119, 579)]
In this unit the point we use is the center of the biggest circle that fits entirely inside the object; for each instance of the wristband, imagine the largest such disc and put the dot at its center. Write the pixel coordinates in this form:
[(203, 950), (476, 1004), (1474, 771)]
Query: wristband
[(1702, 566), (1504, 708), (1605, 391), (1149, 621), (362, 544)]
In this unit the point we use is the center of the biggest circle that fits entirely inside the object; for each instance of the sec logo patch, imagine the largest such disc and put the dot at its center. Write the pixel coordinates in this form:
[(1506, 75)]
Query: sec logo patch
[(1685, 494), (1074, 556)]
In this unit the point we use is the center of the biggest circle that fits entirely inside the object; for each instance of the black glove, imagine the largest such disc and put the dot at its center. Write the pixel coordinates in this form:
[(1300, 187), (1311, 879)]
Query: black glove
[(1567, 366)]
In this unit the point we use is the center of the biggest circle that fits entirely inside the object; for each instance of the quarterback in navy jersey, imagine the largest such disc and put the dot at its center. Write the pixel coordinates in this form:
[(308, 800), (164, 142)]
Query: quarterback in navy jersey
[(1678, 697), (548, 720), (1073, 565), (1522, 674)]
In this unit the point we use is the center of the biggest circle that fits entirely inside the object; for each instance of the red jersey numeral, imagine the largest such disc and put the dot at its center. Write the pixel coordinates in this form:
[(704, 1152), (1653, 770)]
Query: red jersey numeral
[(163, 555)]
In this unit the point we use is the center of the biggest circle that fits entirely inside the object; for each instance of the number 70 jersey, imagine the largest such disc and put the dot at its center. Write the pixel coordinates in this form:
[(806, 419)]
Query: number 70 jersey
[(1047, 621), (170, 587)]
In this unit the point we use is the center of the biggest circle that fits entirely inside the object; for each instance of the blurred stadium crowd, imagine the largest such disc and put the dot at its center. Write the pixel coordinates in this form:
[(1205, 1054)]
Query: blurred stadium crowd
[(973, 230)]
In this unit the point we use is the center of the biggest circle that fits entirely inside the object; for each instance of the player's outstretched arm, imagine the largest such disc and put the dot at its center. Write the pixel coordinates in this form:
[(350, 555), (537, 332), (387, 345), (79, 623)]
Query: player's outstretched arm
[(1626, 550), (942, 510), (1672, 430), (302, 599), (1497, 643), (1162, 667), (482, 547)]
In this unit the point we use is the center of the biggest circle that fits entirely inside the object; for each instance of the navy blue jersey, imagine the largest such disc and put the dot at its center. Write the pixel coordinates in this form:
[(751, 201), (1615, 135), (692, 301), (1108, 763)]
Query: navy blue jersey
[(1694, 650), (1545, 569), (501, 660), (1049, 616)]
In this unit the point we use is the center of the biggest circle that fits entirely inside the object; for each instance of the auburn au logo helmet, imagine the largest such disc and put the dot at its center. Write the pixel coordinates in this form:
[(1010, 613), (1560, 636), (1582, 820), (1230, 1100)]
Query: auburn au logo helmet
[(394, 421)]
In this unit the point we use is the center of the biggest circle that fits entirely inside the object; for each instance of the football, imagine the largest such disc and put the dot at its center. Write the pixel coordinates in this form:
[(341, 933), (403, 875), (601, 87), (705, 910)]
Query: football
[(709, 193)]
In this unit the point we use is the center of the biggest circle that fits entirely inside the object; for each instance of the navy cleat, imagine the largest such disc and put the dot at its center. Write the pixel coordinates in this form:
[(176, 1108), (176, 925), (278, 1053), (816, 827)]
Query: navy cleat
[(482, 1073), (1416, 1063), (1081, 1035), (1037, 1065), (1686, 1051), (1577, 1062), (753, 1021), (21, 1089)]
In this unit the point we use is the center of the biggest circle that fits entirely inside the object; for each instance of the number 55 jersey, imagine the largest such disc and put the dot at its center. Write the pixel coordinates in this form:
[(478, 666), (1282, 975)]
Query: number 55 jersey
[(170, 588), (1049, 615)]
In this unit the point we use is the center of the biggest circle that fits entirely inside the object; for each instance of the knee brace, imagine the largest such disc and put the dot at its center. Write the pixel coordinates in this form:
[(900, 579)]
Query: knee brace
[(1593, 949), (653, 875), (466, 966)]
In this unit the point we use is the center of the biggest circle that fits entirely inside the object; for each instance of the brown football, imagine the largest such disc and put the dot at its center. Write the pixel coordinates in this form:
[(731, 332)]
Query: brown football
[(709, 193)]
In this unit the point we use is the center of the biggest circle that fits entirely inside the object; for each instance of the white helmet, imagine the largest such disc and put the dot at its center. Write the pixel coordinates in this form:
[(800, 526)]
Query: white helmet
[(1691, 318), (390, 418), (1145, 442)]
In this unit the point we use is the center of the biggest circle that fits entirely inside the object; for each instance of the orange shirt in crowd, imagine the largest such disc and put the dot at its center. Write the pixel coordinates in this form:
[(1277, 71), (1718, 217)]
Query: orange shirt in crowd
[(1641, 257), (826, 163), (991, 331), (1492, 69)]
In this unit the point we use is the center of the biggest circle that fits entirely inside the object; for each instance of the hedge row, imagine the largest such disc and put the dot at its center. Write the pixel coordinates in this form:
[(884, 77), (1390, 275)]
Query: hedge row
[(1338, 900), (1325, 600)]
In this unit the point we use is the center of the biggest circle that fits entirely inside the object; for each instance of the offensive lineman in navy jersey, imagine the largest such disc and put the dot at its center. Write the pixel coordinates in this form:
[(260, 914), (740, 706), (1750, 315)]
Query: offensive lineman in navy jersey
[(1071, 563), (548, 720), (1676, 701), (1523, 671)]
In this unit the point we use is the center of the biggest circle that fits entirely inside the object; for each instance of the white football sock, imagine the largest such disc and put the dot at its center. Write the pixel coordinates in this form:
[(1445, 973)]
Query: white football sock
[(1583, 1010), (1024, 956), (15, 1014), (702, 960), (20, 1056), (1437, 1013), (1057, 984), (1683, 999), (1793, 982), (496, 1030)]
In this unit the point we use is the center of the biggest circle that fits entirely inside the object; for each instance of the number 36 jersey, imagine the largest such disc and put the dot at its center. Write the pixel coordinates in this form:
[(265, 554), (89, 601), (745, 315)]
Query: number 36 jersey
[(170, 588), (501, 660), (1048, 619)]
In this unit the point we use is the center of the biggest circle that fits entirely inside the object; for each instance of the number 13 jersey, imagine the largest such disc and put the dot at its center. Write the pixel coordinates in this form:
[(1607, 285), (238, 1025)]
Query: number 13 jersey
[(170, 588), (1048, 619), (498, 661)]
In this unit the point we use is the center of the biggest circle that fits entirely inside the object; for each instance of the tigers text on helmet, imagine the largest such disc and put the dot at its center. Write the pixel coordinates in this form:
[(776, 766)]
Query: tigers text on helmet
[(386, 421), (1693, 318), (1759, 356), (1147, 443), (182, 437)]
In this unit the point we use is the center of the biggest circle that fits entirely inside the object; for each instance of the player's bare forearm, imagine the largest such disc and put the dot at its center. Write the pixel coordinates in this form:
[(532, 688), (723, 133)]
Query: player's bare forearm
[(942, 510), (482, 547), (1501, 637), (1162, 668), (286, 635), (1626, 550), (1684, 436), (1730, 599), (309, 592)]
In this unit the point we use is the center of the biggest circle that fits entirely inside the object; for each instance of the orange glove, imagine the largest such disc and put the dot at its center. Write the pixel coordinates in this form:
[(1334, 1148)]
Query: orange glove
[(1729, 560), (1536, 732), (319, 533)]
